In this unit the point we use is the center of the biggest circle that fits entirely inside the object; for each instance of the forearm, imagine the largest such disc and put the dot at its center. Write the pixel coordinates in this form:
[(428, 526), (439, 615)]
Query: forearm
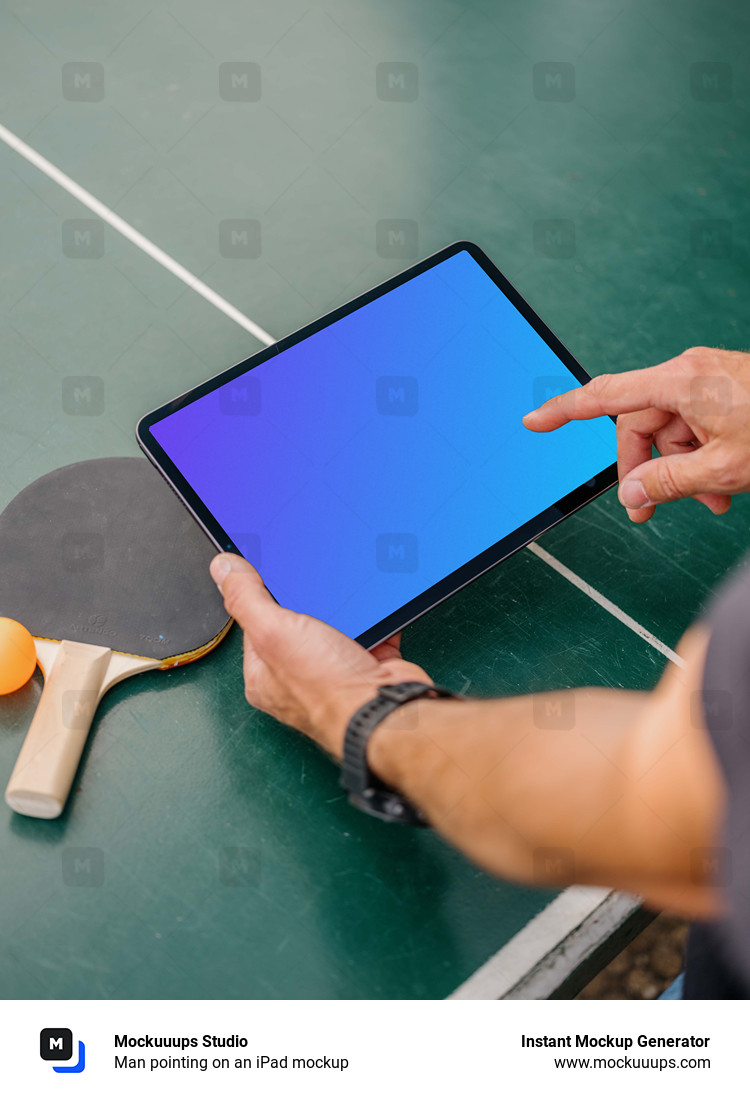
[(506, 789), (627, 792), (625, 797)]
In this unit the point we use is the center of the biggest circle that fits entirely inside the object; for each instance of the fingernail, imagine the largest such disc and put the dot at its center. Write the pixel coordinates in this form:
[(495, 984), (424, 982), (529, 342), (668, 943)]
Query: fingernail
[(633, 495), (220, 566)]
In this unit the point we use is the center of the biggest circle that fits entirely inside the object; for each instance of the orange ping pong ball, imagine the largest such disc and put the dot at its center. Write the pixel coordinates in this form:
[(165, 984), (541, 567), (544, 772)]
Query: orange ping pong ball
[(17, 656)]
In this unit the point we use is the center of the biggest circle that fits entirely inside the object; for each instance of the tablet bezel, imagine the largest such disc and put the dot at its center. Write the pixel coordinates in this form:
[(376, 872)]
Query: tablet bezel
[(472, 569)]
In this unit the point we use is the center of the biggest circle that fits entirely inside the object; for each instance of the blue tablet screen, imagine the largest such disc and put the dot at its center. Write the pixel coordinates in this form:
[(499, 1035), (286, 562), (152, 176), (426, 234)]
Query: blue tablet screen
[(362, 465)]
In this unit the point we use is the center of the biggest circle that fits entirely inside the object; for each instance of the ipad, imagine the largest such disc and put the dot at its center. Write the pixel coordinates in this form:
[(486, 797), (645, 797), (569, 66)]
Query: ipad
[(374, 462)]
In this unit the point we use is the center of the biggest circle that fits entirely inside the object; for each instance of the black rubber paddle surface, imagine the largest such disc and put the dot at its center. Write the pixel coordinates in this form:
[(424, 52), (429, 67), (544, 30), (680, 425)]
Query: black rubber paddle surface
[(103, 552)]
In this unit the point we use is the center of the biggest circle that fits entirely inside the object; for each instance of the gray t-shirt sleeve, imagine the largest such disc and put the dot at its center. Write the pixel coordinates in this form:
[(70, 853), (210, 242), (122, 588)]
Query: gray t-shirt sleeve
[(725, 702)]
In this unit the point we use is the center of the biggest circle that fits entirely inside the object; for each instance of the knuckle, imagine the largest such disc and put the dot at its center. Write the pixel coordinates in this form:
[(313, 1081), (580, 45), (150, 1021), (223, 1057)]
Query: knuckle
[(262, 636), (693, 359), (723, 469), (598, 386), (598, 389), (252, 687), (668, 481), (230, 590)]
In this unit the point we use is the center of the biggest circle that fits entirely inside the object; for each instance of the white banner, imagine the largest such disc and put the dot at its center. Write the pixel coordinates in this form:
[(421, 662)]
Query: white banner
[(332, 1049)]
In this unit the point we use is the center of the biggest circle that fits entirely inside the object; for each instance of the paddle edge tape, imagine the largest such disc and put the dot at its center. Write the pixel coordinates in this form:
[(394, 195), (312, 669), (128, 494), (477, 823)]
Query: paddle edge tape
[(168, 662), (195, 654)]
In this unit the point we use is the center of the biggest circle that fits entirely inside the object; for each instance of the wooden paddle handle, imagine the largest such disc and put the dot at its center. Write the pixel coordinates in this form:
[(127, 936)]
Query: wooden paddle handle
[(44, 772)]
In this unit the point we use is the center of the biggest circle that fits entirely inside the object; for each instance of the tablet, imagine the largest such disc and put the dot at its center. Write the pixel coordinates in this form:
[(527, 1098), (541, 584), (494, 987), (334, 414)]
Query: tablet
[(374, 462)]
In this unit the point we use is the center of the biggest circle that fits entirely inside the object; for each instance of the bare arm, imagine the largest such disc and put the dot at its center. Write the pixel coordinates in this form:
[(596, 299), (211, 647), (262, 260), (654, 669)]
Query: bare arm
[(625, 796)]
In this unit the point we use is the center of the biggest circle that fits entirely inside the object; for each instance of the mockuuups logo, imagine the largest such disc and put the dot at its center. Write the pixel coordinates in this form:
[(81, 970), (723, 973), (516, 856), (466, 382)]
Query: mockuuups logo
[(56, 1045)]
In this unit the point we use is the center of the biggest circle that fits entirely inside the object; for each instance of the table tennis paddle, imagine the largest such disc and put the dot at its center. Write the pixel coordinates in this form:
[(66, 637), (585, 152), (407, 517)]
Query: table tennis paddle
[(109, 572)]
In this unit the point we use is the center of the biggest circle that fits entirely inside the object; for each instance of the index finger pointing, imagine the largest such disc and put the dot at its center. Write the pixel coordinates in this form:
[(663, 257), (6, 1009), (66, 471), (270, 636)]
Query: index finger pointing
[(609, 395)]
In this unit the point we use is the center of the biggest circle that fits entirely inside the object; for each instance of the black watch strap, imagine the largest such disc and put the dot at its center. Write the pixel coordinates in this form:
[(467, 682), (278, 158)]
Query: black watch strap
[(365, 790)]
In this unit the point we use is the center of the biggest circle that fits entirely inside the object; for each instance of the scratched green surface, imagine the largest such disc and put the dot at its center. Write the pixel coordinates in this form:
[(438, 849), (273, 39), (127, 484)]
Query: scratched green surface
[(180, 774)]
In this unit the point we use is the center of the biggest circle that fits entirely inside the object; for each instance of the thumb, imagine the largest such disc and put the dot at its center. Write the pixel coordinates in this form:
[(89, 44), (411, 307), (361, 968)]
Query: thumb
[(670, 477), (246, 598)]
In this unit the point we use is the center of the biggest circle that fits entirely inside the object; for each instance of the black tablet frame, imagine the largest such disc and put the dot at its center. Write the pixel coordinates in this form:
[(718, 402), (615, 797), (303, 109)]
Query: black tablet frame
[(472, 569)]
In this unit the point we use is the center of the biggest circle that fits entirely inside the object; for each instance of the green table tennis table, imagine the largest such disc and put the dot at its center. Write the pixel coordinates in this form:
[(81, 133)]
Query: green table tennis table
[(288, 157)]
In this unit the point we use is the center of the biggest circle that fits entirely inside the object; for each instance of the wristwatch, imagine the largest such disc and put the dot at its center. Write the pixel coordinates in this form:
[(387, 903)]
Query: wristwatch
[(365, 790)]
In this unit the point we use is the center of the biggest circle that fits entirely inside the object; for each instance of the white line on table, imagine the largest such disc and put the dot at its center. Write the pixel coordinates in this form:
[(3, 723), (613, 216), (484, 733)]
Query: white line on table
[(136, 238), (612, 608)]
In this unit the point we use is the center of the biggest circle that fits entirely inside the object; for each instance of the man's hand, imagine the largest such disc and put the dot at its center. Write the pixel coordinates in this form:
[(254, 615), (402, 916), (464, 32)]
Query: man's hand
[(297, 668), (695, 409), (628, 794)]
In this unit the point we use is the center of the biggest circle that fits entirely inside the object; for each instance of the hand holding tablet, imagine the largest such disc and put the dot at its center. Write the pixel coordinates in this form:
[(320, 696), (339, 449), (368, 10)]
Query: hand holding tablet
[(375, 462)]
